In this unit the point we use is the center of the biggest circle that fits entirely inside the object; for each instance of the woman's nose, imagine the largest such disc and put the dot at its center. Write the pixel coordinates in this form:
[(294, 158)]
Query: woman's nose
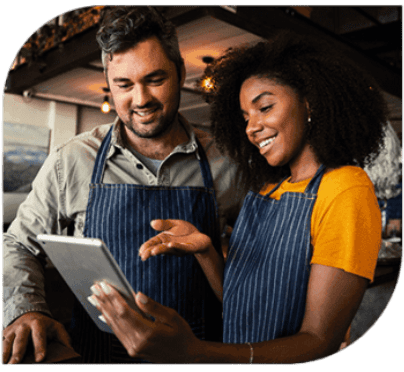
[(253, 126)]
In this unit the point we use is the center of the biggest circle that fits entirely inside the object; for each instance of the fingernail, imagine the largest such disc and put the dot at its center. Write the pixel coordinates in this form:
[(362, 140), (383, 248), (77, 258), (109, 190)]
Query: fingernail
[(95, 290), (14, 359), (142, 298), (92, 301), (101, 317), (105, 288), (39, 357)]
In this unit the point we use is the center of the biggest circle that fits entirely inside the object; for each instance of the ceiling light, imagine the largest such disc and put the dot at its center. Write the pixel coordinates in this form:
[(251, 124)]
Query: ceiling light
[(207, 84), (106, 107)]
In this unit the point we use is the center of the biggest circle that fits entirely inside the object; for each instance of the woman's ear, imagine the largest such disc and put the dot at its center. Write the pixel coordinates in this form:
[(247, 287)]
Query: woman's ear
[(183, 74), (308, 111), (307, 105)]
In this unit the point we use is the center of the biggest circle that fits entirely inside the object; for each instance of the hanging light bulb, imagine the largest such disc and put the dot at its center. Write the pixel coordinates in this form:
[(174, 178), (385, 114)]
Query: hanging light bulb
[(207, 84), (106, 107)]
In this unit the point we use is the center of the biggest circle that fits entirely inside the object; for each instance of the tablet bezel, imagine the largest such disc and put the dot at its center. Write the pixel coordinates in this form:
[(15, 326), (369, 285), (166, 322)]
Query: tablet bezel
[(82, 262)]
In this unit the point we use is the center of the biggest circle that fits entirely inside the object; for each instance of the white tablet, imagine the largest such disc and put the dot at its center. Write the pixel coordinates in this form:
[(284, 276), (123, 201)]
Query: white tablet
[(83, 261)]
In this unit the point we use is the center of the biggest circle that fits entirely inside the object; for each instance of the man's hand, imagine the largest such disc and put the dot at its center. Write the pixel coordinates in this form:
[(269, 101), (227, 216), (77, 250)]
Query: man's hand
[(37, 326), (177, 238)]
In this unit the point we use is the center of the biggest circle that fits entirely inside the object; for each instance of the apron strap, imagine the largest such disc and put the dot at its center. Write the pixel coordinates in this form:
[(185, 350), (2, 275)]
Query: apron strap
[(205, 168), (314, 184), (99, 165)]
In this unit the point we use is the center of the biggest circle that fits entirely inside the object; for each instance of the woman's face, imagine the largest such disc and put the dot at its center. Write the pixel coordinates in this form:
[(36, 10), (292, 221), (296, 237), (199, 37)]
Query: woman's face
[(276, 118)]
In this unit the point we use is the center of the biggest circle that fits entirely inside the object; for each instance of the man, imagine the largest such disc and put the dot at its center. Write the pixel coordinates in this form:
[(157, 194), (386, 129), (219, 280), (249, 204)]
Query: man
[(111, 182)]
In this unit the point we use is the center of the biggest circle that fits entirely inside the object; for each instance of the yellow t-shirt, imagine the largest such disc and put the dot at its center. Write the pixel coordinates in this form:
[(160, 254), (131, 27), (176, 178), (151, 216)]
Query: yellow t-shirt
[(346, 221)]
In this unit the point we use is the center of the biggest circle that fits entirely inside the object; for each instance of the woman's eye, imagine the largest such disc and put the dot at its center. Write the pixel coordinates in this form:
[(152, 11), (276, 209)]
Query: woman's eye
[(266, 108)]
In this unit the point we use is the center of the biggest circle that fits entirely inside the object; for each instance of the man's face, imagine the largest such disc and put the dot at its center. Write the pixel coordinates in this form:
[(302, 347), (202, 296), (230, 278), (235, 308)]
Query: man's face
[(145, 88)]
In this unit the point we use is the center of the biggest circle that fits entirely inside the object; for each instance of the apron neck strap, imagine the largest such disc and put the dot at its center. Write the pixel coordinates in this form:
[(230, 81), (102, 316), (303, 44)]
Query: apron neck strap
[(314, 184), (99, 165), (205, 168)]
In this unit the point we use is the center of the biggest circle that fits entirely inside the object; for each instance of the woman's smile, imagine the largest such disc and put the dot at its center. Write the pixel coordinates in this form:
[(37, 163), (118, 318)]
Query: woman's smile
[(276, 119)]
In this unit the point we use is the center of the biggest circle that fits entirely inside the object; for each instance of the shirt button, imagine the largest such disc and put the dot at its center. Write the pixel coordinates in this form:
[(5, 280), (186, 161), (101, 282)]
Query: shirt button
[(139, 166)]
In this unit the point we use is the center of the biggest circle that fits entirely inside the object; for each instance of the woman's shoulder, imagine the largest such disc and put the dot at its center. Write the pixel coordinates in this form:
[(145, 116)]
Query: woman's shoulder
[(344, 178), (334, 182)]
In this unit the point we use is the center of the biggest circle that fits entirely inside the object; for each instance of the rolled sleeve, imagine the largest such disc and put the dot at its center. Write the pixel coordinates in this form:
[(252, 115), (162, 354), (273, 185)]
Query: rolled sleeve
[(23, 288), (23, 258)]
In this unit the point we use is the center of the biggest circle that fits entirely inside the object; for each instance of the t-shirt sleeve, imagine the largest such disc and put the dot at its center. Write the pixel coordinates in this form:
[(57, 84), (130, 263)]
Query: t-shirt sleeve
[(347, 234)]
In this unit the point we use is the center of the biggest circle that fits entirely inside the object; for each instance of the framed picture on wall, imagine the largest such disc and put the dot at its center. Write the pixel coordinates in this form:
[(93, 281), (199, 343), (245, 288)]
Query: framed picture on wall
[(25, 148)]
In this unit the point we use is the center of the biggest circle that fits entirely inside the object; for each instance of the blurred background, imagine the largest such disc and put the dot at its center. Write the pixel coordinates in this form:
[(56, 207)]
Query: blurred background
[(55, 88)]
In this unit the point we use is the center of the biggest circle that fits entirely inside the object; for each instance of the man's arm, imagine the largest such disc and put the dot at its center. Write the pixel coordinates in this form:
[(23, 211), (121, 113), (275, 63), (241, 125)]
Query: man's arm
[(23, 263)]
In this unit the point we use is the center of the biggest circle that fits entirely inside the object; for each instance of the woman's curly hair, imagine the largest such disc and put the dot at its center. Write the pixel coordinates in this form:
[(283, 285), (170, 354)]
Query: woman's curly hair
[(346, 107)]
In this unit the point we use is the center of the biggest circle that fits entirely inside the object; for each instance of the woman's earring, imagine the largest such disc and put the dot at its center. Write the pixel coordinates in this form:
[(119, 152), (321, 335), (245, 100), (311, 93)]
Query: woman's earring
[(250, 162), (309, 119)]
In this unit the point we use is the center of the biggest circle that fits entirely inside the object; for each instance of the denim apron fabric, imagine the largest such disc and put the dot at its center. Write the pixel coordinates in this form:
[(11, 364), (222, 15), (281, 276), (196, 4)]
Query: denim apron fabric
[(120, 215), (267, 271)]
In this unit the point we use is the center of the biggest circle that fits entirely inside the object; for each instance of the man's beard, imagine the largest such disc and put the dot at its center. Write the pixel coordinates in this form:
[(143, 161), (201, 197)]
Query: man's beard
[(158, 131), (164, 125)]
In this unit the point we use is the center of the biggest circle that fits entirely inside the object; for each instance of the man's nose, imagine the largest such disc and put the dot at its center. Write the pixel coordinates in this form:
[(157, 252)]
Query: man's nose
[(141, 96)]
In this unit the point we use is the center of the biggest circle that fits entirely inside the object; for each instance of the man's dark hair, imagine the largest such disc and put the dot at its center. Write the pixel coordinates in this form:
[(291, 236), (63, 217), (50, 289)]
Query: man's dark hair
[(346, 107), (123, 27)]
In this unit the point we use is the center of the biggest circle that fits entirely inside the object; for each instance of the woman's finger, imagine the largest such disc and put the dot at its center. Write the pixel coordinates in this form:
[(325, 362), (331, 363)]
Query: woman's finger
[(162, 225), (154, 251), (160, 313), (151, 242)]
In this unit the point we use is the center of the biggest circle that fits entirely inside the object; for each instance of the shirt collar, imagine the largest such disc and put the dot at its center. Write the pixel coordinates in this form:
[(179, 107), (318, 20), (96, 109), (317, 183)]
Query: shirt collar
[(186, 147)]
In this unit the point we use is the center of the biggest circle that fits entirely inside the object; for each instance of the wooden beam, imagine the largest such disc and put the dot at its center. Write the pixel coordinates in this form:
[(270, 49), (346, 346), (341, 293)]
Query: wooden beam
[(262, 21), (75, 52), (269, 19)]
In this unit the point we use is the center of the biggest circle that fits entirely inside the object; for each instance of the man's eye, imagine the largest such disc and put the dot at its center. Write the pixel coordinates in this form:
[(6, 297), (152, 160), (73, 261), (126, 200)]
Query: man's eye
[(157, 81)]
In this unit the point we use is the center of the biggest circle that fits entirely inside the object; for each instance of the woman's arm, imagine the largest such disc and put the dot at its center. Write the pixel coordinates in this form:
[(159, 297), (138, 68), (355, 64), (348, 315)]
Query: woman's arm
[(181, 238), (332, 300)]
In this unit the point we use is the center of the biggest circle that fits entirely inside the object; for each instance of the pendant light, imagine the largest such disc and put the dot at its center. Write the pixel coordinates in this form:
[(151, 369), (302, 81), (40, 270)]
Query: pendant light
[(106, 106)]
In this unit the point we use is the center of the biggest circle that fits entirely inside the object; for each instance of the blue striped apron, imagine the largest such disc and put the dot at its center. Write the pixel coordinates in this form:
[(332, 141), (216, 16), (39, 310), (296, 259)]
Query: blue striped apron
[(120, 215), (267, 271)]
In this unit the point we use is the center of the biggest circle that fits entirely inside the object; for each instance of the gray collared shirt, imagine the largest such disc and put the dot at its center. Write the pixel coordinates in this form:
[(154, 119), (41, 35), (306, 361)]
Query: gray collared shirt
[(59, 198)]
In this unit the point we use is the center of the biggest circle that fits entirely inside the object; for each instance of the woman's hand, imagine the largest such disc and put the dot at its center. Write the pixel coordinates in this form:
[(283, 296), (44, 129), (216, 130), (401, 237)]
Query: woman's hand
[(177, 238), (167, 339)]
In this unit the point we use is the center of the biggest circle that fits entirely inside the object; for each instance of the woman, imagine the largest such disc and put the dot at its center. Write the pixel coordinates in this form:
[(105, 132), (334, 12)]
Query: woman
[(301, 122)]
